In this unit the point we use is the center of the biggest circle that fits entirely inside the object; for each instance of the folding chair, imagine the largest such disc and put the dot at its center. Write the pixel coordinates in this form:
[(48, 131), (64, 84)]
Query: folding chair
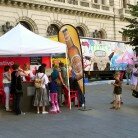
[(73, 96)]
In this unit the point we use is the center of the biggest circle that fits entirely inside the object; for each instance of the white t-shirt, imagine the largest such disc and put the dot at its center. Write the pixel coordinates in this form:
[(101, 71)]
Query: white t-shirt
[(44, 78), (6, 75)]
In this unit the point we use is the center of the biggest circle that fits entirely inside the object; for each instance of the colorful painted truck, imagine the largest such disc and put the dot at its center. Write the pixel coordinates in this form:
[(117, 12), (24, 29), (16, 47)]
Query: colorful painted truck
[(103, 57)]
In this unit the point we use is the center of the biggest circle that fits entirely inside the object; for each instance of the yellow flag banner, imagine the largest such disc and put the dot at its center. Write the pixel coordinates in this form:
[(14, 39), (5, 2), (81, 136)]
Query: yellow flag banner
[(69, 35)]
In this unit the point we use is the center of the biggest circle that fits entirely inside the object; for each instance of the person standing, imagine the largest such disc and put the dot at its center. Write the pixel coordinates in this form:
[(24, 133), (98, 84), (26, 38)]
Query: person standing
[(63, 73), (56, 76), (41, 98), (117, 92), (53, 88), (47, 89), (73, 83), (6, 84), (128, 74), (134, 77), (16, 86)]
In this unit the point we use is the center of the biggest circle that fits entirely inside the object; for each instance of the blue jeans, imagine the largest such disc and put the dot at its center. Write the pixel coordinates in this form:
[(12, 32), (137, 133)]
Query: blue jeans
[(128, 76)]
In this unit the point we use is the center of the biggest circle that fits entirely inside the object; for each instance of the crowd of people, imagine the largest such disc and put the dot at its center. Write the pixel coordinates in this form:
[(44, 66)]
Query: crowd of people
[(49, 91), (48, 97)]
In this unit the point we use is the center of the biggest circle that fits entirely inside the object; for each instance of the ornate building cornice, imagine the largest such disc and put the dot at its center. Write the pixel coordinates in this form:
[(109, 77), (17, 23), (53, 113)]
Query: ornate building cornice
[(55, 8)]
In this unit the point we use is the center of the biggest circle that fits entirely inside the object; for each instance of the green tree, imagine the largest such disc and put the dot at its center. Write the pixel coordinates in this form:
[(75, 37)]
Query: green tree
[(131, 30)]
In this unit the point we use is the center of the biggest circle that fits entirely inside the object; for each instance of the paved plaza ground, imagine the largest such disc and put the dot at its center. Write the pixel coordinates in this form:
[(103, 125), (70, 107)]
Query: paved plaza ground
[(100, 122)]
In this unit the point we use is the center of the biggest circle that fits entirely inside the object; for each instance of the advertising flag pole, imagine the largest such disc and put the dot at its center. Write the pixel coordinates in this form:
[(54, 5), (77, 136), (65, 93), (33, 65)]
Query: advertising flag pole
[(69, 99)]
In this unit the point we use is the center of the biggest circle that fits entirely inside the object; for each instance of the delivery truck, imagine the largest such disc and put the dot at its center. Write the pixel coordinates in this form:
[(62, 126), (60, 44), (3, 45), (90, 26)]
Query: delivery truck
[(102, 58)]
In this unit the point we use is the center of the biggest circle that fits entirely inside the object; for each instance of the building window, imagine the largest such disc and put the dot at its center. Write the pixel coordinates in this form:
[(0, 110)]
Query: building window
[(103, 2), (95, 1), (124, 3), (102, 35), (26, 25), (52, 30), (80, 31)]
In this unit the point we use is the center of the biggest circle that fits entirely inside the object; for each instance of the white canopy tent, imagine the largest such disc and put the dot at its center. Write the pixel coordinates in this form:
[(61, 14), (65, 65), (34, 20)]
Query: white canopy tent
[(19, 41)]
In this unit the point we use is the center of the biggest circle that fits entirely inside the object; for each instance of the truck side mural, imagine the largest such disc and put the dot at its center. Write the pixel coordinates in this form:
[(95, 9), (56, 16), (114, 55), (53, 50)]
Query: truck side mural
[(103, 55)]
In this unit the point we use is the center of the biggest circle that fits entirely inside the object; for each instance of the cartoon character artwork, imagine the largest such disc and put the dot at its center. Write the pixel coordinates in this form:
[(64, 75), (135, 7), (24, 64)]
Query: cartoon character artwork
[(122, 56), (95, 55)]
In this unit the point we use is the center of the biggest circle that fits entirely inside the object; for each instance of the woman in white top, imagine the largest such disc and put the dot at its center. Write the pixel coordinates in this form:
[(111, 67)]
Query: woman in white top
[(6, 83), (41, 97)]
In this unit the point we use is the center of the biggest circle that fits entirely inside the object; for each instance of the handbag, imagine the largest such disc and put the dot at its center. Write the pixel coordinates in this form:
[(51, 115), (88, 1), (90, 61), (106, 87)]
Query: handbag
[(135, 94)]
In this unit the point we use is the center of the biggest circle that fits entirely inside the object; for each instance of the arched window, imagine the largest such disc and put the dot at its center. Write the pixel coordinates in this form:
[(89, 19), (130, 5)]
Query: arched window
[(102, 35), (52, 30), (80, 31), (27, 25), (95, 1)]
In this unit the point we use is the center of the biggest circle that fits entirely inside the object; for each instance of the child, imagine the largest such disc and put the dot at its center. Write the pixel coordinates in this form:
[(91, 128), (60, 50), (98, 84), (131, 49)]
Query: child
[(117, 92), (121, 79), (53, 89)]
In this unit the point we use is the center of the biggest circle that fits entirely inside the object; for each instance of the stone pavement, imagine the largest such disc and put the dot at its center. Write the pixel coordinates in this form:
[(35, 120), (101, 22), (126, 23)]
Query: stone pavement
[(100, 122)]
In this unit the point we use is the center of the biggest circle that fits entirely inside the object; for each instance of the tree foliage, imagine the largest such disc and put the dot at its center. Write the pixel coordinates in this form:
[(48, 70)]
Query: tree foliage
[(131, 30)]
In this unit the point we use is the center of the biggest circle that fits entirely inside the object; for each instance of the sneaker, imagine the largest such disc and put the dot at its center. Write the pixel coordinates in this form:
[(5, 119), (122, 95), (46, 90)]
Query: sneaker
[(58, 111), (122, 102), (82, 105), (53, 112), (112, 102), (22, 113), (44, 112), (112, 107), (38, 112), (61, 105), (8, 110), (117, 108)]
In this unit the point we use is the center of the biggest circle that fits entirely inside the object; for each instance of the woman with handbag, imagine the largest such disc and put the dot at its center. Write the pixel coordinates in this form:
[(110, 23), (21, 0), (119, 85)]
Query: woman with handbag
[(16, 86)]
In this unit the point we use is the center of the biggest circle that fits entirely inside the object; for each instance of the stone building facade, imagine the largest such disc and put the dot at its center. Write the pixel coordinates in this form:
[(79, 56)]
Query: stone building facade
[(92, 18)]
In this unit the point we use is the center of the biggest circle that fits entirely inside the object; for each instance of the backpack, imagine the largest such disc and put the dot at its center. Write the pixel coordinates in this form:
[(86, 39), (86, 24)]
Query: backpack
[(38, 81)]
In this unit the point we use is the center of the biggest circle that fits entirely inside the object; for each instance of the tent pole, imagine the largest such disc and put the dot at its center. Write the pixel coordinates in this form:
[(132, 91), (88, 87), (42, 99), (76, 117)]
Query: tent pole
[(68, 79), (51, 61)]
